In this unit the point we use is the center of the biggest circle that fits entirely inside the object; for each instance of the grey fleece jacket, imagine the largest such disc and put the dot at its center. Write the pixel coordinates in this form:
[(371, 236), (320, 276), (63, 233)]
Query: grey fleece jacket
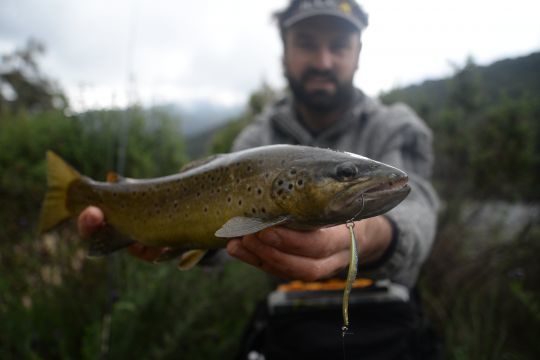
[(390, 134)]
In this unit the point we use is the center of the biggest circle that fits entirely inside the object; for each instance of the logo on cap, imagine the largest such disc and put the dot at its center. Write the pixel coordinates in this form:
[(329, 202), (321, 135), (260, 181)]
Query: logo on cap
[(345, 7)]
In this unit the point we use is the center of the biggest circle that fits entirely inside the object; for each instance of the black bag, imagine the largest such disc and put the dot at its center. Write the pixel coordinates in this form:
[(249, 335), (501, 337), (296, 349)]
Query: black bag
[(378, 331)]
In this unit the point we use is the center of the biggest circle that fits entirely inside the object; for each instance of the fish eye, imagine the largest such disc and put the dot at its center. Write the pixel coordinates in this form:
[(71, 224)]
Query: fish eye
[(346, 171)]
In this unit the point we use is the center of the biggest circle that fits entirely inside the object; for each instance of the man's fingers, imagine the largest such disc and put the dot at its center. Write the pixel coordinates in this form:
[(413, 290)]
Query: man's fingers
[(90, 220), (317, 244), (291, 266), (236, 249)]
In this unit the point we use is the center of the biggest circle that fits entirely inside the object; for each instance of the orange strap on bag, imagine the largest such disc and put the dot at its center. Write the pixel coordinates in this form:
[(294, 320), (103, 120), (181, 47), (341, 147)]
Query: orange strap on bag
[(331, 284)]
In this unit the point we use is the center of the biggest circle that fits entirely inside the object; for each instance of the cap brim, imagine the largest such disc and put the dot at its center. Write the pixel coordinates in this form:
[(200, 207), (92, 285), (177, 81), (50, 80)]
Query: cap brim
[(328, 12)]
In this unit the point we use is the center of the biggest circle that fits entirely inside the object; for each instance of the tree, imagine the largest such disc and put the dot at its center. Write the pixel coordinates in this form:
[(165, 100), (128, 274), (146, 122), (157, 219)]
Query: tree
[(23, 86)]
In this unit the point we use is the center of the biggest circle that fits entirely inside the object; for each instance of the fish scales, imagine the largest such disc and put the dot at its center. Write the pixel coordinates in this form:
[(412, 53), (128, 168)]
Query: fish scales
[(188, 207), (230, 195)]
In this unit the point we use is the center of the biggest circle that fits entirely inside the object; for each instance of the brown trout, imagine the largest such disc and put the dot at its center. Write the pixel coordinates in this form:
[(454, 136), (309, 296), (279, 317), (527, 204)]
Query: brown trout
[(226, 196)]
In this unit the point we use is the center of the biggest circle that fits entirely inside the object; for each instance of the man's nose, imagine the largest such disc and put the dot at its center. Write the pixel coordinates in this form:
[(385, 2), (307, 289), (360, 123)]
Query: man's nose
[(323, 59)]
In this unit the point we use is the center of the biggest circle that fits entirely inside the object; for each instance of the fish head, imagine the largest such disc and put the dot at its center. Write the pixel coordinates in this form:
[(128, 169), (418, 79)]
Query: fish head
[(336, 187)]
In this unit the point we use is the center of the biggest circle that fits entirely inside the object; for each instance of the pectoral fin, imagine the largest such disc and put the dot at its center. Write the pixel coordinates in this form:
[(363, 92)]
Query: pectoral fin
[(190, 258), (240, 226)]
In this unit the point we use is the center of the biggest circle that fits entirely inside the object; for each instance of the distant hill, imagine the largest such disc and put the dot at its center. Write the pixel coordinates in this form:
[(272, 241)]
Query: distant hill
[(197, 145), (512, 78), (485, 121), (508, 78), (201, 116)]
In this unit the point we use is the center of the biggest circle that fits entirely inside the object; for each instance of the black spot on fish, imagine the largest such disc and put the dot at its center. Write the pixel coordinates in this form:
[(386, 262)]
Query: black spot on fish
[(205, 209), (263, 210), (259, 191), (292, 172), (300, 182), (229, 199), (198, 194), (253, 210), (280, 182), (291, 186), (240, 202), (249, 188)]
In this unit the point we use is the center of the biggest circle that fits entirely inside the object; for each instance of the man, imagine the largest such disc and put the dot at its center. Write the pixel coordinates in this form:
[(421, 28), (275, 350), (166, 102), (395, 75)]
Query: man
[(322, 43)]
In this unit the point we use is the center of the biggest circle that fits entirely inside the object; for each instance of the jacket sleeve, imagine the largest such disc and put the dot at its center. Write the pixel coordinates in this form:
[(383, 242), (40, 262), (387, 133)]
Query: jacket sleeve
[(406, 143)]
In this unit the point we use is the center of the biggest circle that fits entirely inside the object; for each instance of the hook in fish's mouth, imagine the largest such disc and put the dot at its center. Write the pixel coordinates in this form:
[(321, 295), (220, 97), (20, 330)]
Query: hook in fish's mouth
[(361, 202)]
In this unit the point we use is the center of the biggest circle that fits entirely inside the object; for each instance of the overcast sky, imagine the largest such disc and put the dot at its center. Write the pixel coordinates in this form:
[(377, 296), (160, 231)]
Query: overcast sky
[(218, 50)]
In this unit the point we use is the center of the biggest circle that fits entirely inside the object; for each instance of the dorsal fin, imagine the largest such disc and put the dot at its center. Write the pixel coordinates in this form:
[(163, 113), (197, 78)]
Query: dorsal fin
[(114, 177)]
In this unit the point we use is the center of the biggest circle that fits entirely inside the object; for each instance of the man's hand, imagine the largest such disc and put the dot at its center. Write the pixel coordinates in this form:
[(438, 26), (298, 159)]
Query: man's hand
[(311, 255), (91, 220)]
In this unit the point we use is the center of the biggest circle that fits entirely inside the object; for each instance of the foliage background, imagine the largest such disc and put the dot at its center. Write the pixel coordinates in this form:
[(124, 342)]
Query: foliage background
[(481, 285)]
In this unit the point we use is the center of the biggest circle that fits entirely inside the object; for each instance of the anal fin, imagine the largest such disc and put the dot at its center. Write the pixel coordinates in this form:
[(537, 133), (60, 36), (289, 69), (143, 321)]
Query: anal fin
[(107, 240)]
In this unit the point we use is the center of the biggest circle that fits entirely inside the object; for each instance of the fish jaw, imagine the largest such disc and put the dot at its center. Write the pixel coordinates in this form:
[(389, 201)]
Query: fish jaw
[(384, 190)]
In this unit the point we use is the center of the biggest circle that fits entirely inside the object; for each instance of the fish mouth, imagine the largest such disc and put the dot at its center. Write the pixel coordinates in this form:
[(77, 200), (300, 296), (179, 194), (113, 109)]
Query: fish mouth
[(360, 202), (388, 188)]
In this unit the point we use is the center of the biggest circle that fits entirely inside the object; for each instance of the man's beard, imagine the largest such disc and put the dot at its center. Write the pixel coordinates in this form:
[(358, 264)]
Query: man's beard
[(320, 100)]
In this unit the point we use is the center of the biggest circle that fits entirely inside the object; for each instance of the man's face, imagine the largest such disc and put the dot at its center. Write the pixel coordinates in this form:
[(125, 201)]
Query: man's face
[(321, 57)]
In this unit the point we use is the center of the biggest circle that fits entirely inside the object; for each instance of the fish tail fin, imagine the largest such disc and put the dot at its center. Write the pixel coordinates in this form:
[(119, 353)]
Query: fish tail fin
[(59, 176)]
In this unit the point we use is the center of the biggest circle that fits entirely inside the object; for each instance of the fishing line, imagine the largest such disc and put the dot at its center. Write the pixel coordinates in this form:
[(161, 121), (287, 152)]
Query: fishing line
[(351, 277)]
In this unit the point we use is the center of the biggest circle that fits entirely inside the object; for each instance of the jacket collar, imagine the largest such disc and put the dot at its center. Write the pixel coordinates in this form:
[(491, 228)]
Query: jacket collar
[(286, 120)]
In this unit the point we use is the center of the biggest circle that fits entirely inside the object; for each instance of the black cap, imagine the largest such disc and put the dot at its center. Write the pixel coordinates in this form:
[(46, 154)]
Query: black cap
[(299, 10)]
